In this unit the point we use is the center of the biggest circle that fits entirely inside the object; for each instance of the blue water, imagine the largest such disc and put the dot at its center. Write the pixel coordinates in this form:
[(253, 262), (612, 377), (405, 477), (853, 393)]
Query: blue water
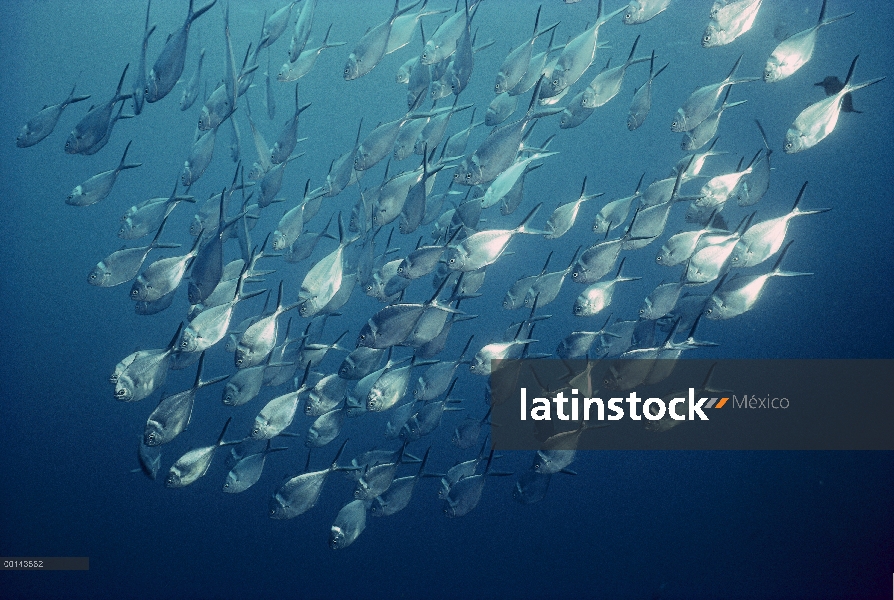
[(630, 524)]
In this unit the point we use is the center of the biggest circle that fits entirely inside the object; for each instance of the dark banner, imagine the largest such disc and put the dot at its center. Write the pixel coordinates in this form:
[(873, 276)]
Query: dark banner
[(656, 404)]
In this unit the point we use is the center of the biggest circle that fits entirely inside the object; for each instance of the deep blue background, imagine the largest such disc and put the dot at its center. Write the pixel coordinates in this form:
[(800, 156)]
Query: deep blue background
[(631, 524)]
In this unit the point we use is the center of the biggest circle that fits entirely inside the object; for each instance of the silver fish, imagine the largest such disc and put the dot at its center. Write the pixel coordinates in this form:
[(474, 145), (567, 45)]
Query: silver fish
[(577, 56), (595, 298), (288, 139), (98, 187), (276, 25), (349, 524), (607, 84), (763, 240), (195, 463), (260, 337), (372, 46), (139, 86), (191, 91), (169, 64), (302, 29), (162, 277), (95, 126), (701, 102), (485, 247), (143, 371), (739, 295), (819, 119), (247, 471), (123, 265), (640, 11), (642, 97), (301, 66), (299, 494), (793, 53), (173, 413), (42, 124), (325, 428), (729, 22)]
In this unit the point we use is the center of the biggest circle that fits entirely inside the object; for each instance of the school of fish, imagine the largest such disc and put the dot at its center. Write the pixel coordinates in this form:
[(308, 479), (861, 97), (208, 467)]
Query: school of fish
[(440, 222)]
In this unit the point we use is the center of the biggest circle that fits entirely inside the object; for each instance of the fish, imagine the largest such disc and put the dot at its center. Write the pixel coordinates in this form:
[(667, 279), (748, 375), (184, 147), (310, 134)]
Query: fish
[(794, 52), (99, 186), (607, 83), (302, 29), (404, 26), (739, 295), (596, 297), (640, 11), (258, 340), (325, 396), (195, 463), (96, 124), (139, 85), (325, 428), (466, 434), (362, 361), (818, 120), (500, 108), (199, 158), (301, 66), (465, 494), (168, 66), (324, 279), (173, 413), (150, 461), (442, 43), (276, 25), (499, 150), (139, 374), (763, 240), (288, 139), (516, 63), (191, 91), (436, 379), (547, 286), (506, 180), (147, 216), (713, 259), (701, 102), (702, 133), (247, 471), (729, 22), (614, 213), (276, 415), (642, 96), (459, 72), (162, 277), (299, 494), (578, 343), (399, 493), (485, 247), (563, 218), (349, 524), (577, 56), (44, 122), (372, 46), (661, 301)]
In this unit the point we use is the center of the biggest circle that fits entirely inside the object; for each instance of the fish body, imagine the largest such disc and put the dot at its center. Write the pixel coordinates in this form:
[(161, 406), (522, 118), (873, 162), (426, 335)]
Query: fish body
[(168, 66), (701, 102), (93, 129), (818, 120), (793, 53), (729, 21), (640, 11), (42, 124)]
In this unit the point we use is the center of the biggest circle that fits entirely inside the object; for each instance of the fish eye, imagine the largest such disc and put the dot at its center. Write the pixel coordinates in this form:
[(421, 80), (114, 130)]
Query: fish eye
[(628, 15), (707, 38), (658, 258)]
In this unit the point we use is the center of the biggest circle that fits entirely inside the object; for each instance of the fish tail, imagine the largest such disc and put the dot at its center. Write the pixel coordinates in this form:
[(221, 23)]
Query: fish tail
[(193, 15), (121, 165)]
